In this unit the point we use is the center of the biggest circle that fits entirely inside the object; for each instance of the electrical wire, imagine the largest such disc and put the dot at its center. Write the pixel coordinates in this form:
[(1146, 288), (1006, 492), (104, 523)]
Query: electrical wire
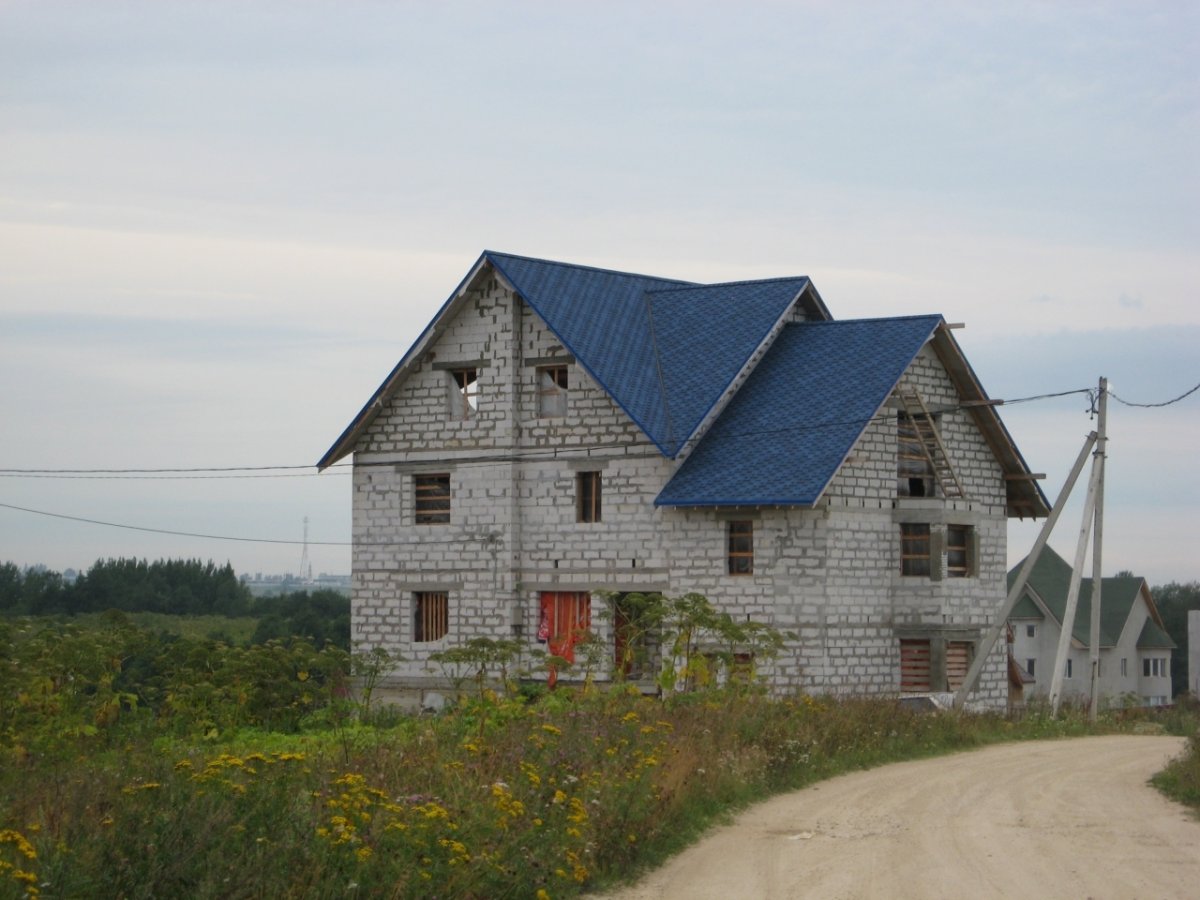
[(1182, 396), (203, 473)]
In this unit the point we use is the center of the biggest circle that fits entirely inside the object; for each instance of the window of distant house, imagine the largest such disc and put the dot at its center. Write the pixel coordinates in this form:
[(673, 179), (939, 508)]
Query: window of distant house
[(464, 393), (1030, 665), (431, 615), (552, 391), (958, 551), (741, 547), (1030, 630), (1154, 668), (1070, 668), (432, 503), (1124, 667), (914, 470), (587, 497), (914, 549)]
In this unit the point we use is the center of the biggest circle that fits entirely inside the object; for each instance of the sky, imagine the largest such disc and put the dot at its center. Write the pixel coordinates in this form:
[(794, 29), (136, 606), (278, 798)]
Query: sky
[(222, 224)]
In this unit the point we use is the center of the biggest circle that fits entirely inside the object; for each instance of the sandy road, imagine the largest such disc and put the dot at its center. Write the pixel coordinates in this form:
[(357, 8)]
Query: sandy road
[(1046, 819)]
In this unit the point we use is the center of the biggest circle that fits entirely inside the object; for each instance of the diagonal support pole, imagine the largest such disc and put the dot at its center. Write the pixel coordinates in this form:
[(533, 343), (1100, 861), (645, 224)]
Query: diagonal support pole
[(989, 641)]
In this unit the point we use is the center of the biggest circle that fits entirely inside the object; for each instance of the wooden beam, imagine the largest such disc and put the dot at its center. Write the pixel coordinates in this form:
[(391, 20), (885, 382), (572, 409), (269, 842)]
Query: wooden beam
[(1025, 476), (967, 404), (956, 324)]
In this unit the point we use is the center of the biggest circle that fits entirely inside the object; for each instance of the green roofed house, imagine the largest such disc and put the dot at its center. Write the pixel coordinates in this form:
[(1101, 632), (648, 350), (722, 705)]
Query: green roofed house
[(1135, 651), (560, 434)]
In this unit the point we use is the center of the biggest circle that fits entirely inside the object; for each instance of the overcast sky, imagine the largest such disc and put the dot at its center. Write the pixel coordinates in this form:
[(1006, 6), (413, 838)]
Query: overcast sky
[(221, 224)]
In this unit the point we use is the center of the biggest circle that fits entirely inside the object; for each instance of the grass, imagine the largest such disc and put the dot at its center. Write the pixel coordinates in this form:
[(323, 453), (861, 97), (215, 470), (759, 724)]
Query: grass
[(494, 798), (1180, 780), (236, 629)]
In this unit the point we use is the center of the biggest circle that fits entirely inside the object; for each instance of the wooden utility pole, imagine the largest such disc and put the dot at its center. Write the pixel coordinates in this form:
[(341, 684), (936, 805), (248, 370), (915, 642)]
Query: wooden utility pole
[(1097, 548)]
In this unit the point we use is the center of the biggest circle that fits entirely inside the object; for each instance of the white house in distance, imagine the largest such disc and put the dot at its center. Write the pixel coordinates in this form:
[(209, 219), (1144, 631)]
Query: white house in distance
[(1135, 651), (559, 430)]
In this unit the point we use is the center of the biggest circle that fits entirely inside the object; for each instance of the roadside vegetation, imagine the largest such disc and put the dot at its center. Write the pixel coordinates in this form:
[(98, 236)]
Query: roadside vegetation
[(139, 763)]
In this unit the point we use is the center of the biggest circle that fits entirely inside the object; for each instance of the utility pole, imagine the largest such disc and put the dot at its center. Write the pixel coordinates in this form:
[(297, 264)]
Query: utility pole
[(1097, 548), (1014, 592), (1068, 620), (305, 565)]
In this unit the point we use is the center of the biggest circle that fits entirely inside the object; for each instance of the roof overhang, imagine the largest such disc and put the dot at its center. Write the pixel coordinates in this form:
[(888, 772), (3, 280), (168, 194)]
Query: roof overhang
[(1024, 496)]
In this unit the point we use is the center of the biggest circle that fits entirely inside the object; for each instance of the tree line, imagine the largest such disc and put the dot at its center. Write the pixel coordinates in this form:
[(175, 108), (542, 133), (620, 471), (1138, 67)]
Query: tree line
[(185, 587)]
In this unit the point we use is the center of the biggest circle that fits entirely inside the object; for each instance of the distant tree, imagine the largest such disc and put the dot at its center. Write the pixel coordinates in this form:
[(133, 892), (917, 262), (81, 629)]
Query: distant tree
[(1174, 600), (322, 616)]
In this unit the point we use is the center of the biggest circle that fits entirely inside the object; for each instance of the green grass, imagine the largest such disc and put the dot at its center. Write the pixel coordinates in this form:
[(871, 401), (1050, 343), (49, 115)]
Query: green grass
[(494, 798)]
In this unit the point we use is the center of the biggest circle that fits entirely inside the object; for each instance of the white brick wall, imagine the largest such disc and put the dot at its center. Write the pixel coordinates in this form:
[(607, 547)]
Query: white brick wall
[(829, 574)]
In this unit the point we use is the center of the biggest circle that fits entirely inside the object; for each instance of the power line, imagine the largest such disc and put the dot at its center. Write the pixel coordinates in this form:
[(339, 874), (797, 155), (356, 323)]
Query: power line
[(203, 473), (245, 540), (159, 472), (1182, 396), (214, 537)]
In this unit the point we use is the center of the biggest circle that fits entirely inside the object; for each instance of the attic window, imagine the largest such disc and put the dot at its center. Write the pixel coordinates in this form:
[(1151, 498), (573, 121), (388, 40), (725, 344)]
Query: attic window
[(914, 471), (464, 393), (552, 391)]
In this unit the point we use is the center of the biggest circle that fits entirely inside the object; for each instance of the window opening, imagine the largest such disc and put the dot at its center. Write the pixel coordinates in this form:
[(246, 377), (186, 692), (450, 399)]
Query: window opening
[(566, 617), (741, 547), (552, 391), (432, 504), (465, 399), (1030, 664), (958, 551), (587, 497), (914, 549), (431, 616), (1030, 630), (958, 661), (915, 661), (914, 470)]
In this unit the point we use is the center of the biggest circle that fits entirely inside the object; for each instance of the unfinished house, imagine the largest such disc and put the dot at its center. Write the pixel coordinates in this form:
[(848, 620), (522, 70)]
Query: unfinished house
[(1135, 650), (559, 430)]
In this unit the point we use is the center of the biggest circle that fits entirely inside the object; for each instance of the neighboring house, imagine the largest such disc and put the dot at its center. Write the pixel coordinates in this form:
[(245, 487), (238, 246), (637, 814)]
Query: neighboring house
[(559, 430), (1135, 651)]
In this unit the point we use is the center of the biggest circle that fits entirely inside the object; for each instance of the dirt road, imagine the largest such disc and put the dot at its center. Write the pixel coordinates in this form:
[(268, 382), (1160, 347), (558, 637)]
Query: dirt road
[(1047, 819)]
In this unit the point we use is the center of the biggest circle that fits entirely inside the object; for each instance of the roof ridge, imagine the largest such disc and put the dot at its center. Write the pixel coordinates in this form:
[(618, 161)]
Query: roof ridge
[(567, 265), (725, 284), (912, 318)]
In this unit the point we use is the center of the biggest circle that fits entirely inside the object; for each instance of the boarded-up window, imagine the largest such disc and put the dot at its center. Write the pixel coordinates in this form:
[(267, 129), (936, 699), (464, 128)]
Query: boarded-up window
[(464, 393), (914, 549), (587, 497), (914, 471), (431, 615), (958, 660), (960, 551), (741, 547), (552, 391), (432, 499), (915, 661)]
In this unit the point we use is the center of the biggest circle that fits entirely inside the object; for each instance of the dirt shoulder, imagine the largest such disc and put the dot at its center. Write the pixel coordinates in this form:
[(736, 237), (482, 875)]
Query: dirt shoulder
[(1071, 818)]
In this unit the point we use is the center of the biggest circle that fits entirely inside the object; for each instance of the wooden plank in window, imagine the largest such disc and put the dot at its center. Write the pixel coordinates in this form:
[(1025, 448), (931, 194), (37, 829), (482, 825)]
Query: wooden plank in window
[(958, 660), (741, 547), (432, 499), (431, 615), (915, 662)]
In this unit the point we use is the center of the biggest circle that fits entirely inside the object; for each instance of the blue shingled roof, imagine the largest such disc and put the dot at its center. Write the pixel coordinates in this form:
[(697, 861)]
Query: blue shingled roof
[(664, 350), (789, 427)]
